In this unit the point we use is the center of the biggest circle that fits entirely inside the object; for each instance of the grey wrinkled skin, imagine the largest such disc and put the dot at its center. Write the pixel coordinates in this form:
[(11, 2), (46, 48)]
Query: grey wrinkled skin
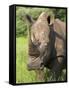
[(47, 44), (35, 63)]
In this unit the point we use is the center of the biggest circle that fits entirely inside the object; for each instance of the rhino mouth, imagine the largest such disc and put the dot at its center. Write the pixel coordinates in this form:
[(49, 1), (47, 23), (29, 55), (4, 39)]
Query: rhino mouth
[(38, 63), (35, 64)]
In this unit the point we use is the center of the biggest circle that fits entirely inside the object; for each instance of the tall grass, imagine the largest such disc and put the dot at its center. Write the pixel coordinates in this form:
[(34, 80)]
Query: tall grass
[(22, 74)]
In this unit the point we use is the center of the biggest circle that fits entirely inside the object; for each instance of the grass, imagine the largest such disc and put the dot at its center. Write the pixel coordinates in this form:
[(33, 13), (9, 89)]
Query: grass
[(22, 74)]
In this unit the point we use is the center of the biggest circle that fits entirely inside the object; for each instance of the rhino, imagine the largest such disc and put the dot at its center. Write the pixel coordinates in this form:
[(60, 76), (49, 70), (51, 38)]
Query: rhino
[(47, 44)]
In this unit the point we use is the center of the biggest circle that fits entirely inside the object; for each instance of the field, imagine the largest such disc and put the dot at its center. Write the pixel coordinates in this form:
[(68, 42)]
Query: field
[(22, 74)]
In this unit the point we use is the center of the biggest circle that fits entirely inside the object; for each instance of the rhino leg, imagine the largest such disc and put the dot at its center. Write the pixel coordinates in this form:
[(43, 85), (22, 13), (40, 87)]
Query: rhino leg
[(40, 75)]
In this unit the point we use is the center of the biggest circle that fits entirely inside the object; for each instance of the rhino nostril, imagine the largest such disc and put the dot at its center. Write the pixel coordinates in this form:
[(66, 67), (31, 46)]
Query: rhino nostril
[(41, 66)]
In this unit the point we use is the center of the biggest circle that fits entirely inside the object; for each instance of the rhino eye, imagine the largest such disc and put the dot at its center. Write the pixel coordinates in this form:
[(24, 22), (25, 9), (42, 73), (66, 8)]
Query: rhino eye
[(37, 40), (37, 43)]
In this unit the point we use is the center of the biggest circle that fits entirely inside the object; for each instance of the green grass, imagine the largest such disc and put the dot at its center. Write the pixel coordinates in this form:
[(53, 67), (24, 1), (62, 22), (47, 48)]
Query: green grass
[(22, 74)]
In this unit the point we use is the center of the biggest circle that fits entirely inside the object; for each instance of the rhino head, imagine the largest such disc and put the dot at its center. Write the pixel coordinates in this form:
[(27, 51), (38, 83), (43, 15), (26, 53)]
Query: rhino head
[(38, 39)]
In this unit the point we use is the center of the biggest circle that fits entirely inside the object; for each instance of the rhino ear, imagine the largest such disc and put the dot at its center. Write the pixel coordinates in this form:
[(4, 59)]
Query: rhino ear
[(50, 19), (29, 19)]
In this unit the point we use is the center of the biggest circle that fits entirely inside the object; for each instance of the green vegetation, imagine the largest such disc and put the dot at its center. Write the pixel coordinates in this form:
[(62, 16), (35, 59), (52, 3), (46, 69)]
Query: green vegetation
[(22, 74)]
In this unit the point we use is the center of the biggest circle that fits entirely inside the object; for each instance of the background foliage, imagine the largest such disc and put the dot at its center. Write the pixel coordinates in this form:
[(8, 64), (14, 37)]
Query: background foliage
[(21, 25)]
